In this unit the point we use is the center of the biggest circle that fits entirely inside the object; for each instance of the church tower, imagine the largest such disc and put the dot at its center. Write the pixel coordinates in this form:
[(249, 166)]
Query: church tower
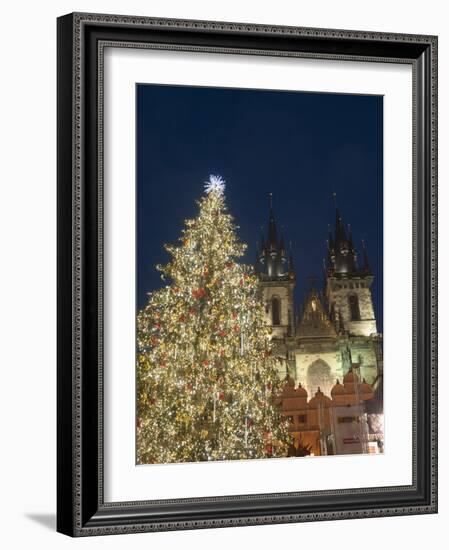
[(277, 280), (348, 286)]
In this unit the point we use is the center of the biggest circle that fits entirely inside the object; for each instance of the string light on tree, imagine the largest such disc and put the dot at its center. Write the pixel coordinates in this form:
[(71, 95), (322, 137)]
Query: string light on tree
[(206, 374)]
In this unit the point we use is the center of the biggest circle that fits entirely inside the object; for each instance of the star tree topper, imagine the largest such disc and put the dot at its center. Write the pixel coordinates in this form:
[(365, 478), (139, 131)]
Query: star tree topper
[(216, 184)]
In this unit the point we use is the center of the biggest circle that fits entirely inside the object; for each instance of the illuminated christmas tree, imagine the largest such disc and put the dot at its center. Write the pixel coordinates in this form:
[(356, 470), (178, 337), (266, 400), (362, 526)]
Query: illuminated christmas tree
[(206, 376)]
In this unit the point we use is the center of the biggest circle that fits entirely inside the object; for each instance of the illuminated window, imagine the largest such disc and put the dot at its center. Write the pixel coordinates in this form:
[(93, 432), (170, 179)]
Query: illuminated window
[(276, 310), (354, 308)]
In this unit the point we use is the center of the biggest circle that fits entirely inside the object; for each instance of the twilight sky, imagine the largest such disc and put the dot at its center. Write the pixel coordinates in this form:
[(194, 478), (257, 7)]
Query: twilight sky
[(300, 146)]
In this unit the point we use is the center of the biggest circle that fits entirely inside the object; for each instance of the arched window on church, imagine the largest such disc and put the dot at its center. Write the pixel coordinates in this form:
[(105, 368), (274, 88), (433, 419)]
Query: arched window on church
[(354, 308), (275, 310)]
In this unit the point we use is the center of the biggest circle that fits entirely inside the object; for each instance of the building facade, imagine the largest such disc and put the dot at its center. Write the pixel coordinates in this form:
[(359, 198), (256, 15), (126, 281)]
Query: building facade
[(333, 337)]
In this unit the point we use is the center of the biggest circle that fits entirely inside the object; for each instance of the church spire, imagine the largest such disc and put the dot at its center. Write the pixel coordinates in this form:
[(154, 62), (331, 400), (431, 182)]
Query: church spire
[(342, 256), (262, 241), (330, 240), (282, 245), (366, 264), (291, 265), (272, 240), (340, 232), (272, 261)]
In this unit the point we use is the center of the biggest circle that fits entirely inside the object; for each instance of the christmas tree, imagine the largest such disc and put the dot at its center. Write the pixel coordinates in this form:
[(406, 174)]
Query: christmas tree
[(206, 376)]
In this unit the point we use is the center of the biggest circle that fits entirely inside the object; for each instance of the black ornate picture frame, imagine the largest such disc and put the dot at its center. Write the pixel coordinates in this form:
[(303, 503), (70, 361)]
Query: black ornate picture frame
[(81, 509)]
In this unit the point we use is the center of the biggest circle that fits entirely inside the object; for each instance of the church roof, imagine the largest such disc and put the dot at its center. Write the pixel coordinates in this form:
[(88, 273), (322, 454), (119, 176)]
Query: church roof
[(341, 252), (271, 261), (338, 389), (320, 400)]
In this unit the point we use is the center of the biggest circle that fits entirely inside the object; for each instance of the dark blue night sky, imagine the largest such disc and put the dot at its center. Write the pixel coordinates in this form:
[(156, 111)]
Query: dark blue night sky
[(300, 146)]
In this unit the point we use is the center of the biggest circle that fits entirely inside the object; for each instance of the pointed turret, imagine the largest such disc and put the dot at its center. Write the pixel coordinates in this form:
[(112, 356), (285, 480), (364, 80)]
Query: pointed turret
[(262, 241), (282, 245), (352, 249), (350, 236), (330, 240), (291, 265), (272, 240), (340, 232), (366, 264), (342, 256), (272, 261)]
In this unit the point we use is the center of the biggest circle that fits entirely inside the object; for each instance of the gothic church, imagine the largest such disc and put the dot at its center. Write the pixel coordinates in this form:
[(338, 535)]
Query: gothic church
[(334, 336)]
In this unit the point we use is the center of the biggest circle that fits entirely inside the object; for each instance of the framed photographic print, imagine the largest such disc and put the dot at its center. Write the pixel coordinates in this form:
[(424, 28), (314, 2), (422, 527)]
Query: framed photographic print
[(246, 274)]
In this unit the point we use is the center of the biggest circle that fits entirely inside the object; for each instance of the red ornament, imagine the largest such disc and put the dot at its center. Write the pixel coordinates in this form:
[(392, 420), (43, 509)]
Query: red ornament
[(222, 333), (221, 396), (199, 293), (157, 326), (206, 363), (236, 328), (250, 422)]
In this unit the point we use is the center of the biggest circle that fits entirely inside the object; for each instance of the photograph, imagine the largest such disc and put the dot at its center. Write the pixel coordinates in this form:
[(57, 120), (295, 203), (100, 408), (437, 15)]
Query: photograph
[(259, 262)]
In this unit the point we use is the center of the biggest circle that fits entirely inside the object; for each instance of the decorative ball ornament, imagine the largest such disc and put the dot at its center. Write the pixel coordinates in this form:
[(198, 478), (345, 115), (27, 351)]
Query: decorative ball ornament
[(198, 293)]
